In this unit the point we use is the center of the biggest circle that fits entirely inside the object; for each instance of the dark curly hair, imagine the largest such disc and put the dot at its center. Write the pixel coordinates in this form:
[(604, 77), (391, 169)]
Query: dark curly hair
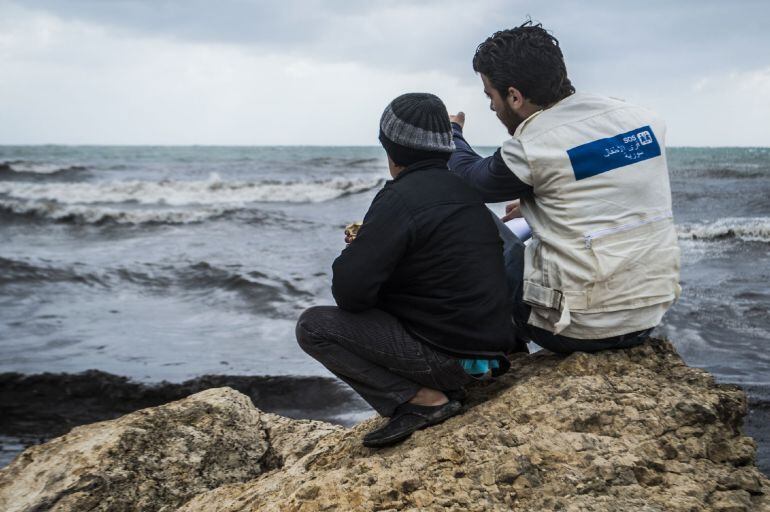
[(528, 58)]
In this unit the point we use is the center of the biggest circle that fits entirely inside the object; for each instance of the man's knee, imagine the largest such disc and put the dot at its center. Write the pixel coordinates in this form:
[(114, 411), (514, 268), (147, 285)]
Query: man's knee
[(312, 324)]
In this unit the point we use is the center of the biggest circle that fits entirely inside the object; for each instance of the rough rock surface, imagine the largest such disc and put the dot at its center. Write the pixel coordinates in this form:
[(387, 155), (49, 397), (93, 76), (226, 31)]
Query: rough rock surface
[(616, 431), (153, 459), (49, 405)]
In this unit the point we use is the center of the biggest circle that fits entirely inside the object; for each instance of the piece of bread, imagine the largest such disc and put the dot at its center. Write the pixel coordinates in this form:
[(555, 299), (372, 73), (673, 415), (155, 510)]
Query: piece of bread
[(351, 230)]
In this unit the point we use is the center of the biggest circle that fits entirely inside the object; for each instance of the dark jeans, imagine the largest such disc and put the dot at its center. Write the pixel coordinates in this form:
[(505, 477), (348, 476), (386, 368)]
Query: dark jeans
[(513, 250), (373, 353)]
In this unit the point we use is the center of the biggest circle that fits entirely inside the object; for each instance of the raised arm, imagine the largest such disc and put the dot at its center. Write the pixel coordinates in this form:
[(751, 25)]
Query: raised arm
[(490, 176)]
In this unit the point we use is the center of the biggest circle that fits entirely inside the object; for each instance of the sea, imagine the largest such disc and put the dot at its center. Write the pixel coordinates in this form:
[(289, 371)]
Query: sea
[(169, 263)]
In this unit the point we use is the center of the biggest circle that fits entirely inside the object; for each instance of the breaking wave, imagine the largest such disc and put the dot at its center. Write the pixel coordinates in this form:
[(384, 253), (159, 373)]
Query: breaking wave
[(749, 229), (213, 191), (20, 170), (79, 214)]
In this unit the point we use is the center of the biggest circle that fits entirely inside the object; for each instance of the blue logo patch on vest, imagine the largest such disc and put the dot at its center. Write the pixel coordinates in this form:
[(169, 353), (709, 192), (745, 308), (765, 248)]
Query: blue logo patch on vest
[(611, 153)]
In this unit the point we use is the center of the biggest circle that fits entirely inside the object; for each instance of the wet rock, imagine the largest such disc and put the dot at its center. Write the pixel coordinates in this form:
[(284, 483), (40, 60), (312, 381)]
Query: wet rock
[(625, 430)]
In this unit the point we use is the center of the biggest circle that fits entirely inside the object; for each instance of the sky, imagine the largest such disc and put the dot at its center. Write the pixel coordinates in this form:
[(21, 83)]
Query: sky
[(314, 72)]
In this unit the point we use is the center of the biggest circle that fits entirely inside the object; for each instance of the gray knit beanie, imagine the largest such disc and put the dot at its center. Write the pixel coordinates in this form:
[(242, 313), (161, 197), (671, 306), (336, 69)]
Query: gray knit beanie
[(417, 121)]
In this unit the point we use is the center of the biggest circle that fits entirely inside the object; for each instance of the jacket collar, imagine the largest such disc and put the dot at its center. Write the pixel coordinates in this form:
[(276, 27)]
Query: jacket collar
[(433, 163)]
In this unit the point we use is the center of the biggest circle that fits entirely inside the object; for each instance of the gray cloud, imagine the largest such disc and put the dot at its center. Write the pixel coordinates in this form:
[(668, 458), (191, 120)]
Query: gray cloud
[(705, 65), (396, 34), (668, 38)]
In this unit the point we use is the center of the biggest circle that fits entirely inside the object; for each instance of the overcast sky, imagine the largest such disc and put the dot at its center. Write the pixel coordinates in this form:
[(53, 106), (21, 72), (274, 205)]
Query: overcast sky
[(321, 72)]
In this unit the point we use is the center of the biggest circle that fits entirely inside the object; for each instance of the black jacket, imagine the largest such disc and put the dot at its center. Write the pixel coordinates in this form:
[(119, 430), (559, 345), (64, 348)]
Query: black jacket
[(429, 253)]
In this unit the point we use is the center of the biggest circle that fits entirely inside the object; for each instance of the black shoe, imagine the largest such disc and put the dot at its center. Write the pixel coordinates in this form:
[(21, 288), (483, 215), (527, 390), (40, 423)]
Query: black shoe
[(409, 418)]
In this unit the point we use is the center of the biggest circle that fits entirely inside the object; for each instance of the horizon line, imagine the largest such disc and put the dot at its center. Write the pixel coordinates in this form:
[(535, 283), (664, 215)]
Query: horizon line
[(51, 144)]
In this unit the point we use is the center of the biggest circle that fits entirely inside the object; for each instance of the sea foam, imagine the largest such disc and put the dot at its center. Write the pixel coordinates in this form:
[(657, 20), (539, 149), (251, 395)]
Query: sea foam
[(20, 166), (213, 191), (85, 214), (749, 229)]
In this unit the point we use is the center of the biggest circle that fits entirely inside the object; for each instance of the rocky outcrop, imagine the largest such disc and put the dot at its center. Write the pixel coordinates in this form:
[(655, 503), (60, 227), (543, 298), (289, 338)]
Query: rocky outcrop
[(49, 405), (153, 459), (625, 430)]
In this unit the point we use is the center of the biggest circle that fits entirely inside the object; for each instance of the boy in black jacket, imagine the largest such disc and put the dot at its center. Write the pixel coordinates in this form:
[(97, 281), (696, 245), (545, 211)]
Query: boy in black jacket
[(422, 301)]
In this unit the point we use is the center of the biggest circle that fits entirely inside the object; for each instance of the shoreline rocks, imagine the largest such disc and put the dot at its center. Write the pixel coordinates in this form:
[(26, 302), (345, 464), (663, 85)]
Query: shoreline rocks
[(51, 404), (624, 430)]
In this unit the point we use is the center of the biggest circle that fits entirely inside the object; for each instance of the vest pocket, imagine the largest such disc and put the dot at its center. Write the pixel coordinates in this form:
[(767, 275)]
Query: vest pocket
[(635, 267), (544, 289)]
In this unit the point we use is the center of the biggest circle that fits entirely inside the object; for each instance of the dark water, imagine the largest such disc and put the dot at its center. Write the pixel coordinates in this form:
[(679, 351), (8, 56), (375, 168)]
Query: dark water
[(169, 263)]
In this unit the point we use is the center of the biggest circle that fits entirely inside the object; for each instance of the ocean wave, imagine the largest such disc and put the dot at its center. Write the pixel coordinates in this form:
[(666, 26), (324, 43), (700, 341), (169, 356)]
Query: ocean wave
[(191, 276), (260, 292), (18, 271), (77, 214), (749, 229), (19, 170), (203, 276), (213, 191), (328, 161), (737, 173), (255, 286)]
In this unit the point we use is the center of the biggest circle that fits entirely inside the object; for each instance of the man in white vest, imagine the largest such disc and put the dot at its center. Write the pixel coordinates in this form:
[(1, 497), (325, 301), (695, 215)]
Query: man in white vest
[(589, 175)]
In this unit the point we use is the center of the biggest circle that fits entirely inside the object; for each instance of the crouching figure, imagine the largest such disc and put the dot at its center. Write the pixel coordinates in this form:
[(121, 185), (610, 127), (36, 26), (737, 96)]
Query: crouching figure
[(423, 306)]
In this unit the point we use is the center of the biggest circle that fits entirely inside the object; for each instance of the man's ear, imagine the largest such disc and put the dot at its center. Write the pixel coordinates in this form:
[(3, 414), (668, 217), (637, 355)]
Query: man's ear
[(515, 99)]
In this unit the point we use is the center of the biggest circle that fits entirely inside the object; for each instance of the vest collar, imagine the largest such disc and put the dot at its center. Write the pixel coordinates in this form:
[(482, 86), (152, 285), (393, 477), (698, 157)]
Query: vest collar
[(559, 103), (524, 123)]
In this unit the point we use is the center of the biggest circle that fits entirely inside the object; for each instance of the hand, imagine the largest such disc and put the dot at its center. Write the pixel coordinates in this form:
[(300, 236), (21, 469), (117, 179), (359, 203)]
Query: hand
[(458, 118), (512, 211), (351, 231)]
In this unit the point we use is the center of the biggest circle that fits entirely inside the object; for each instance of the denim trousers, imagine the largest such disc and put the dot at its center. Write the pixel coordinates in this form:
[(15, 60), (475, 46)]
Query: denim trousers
[(375, 355)]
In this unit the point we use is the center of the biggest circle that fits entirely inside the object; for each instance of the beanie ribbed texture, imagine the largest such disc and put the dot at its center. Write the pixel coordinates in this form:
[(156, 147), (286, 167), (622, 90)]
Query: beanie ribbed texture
[(417, 121)]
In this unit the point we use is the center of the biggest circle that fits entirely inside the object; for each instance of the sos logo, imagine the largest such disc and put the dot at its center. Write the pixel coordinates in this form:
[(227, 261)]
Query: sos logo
[(644, 138)]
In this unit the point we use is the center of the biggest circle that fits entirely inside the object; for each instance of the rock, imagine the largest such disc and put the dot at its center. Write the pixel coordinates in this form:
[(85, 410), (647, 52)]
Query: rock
[(624, 430), (153, 459), (50, 404)]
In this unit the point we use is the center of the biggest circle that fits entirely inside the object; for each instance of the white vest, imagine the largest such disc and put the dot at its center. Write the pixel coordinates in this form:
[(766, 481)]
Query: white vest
[(604, 259)]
